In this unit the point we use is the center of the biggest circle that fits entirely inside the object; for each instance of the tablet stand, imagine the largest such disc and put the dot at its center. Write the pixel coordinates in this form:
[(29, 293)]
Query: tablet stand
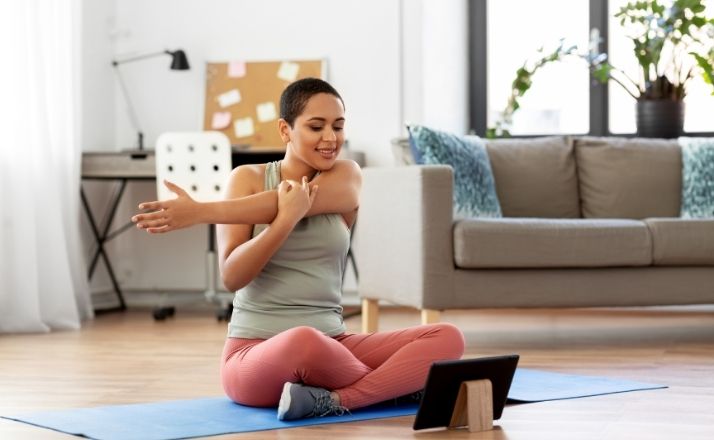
[(474, 406)]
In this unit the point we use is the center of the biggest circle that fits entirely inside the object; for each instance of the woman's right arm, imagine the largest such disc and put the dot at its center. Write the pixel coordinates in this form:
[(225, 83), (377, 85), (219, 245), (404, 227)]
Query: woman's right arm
[(340, 195), (241, 256)]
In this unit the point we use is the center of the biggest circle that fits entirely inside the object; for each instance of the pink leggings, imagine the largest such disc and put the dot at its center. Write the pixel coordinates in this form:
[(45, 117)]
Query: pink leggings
[(361, 368)]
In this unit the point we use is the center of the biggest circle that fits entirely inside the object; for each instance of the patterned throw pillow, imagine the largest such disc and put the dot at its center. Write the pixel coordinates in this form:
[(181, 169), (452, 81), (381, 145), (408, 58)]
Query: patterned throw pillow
[(474, 185), (697, 177)]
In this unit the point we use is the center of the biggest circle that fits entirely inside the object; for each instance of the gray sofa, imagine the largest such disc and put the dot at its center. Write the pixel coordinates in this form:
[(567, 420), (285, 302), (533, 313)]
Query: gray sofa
[(587, 222)]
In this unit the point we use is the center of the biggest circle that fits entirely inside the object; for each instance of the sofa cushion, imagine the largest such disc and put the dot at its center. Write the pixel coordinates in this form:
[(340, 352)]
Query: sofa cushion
[(682, 242), (629, 178), (535, 177), (474, 188), (532, 243)]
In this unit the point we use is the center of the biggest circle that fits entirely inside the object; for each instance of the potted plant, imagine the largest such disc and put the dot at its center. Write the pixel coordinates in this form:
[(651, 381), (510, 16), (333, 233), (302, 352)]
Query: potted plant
[(673, 42)]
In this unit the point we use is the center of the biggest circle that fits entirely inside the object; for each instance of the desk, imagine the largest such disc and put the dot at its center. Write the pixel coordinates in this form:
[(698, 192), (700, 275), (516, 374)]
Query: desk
[(121, 167)]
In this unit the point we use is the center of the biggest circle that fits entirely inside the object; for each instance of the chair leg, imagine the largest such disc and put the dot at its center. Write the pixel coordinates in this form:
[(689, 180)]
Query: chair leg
[(429, 316), (370, 315)]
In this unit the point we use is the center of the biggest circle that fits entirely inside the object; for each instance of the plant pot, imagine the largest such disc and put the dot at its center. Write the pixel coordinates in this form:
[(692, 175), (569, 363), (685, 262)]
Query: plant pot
[(660, 118)]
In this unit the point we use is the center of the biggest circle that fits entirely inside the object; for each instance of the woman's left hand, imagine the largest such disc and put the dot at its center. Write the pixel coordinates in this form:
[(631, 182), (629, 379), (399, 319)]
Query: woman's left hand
[(169, 215)]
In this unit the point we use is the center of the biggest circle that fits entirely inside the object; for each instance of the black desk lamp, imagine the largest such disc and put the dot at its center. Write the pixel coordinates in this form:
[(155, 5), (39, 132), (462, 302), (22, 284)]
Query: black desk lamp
[(178, 62)]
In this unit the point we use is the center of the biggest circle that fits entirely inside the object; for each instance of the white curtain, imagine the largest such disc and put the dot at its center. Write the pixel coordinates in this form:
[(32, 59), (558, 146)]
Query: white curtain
[(43, 283)]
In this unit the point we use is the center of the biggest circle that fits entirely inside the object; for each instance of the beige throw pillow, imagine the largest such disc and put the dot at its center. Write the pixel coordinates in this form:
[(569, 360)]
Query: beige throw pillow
[(535, 177), (629, 178)]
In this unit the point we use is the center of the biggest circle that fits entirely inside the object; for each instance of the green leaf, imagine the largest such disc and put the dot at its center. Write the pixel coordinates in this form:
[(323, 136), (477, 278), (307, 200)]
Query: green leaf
[(699, 21), (707, 67), (602, 72)]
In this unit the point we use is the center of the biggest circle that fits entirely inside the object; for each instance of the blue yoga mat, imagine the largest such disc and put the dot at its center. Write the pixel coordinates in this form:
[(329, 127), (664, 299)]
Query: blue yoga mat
[(179, 419), (214, 416), (538, 386)]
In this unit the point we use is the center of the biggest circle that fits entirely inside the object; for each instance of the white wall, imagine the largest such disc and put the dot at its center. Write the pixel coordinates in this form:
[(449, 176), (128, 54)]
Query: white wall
[(361, 47), (392, 61), (445, 65), (97, 132), (98, 81)]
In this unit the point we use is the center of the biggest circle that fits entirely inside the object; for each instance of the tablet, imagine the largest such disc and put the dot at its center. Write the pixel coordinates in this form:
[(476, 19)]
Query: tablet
[(445, 378)]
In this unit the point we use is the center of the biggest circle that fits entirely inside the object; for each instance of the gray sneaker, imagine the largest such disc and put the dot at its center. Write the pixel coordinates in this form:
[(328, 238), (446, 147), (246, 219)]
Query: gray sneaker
[(414, 397), (299, 401)]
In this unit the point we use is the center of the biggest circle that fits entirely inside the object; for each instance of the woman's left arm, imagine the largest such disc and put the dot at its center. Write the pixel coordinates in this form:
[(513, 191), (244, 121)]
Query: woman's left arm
[(339, 189)]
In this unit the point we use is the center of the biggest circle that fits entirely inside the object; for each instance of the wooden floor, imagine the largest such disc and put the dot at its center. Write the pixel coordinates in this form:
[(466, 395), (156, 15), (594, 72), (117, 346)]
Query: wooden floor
[(129, 358)]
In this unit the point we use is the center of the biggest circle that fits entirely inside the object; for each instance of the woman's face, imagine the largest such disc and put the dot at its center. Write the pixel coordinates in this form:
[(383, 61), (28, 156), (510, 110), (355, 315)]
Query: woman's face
[(317, 134)]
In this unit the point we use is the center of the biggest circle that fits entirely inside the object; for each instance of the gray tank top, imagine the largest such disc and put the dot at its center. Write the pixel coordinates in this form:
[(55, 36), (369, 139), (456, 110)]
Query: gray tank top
[(302, 282)]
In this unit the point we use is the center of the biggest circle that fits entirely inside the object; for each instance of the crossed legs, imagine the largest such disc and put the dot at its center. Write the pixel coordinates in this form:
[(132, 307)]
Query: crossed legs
[(361, 368)]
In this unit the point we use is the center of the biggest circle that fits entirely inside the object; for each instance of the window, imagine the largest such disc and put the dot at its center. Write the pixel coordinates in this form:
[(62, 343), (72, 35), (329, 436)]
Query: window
[(558, 100), (699, 103), (505, 33)]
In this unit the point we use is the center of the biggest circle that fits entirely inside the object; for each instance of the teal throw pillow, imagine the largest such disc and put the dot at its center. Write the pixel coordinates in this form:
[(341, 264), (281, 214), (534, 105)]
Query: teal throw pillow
[(697, 177), (474, 185)]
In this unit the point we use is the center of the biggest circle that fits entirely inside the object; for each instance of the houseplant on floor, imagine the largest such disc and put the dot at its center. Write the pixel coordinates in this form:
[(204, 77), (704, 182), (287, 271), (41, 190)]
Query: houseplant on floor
[(673, 42)]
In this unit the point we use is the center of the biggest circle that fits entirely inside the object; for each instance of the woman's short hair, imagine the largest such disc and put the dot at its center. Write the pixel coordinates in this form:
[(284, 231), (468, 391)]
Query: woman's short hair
[(295, 96)]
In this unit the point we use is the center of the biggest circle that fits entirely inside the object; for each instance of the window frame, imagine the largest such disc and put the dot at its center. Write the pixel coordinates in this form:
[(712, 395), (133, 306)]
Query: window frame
[(478, 74)]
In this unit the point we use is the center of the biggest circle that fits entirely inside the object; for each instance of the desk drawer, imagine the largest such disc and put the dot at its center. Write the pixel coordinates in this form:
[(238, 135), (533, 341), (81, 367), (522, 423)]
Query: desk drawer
[(123, 164)]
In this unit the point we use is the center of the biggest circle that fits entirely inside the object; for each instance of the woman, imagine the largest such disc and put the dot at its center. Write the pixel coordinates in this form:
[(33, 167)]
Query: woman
[(283, 236)]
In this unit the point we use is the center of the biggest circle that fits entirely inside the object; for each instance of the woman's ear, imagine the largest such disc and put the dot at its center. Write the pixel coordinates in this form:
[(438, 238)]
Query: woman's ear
[(284, 129)]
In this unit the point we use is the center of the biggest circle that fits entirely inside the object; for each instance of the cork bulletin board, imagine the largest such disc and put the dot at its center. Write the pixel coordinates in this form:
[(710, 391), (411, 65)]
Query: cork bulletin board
[(243, 97)]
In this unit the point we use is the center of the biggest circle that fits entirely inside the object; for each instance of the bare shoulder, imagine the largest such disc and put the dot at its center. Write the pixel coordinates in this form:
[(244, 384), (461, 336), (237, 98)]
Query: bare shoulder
[(346, 168), (347, 165), (246, 180)]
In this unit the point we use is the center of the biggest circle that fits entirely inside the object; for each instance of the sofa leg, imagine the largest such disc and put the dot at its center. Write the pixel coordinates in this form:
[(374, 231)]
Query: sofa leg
[(429, 316), (370, 315)]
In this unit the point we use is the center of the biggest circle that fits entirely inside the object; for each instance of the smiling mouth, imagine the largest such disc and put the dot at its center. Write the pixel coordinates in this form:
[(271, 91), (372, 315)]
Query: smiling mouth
[(326, 152)]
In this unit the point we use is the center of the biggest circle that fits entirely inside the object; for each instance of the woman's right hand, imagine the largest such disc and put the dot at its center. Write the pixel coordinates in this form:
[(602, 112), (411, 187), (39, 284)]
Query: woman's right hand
[(295, 199)]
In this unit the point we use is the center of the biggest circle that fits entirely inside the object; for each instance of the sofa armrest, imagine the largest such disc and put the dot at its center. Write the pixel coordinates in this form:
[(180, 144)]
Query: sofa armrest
[(404, 239)]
